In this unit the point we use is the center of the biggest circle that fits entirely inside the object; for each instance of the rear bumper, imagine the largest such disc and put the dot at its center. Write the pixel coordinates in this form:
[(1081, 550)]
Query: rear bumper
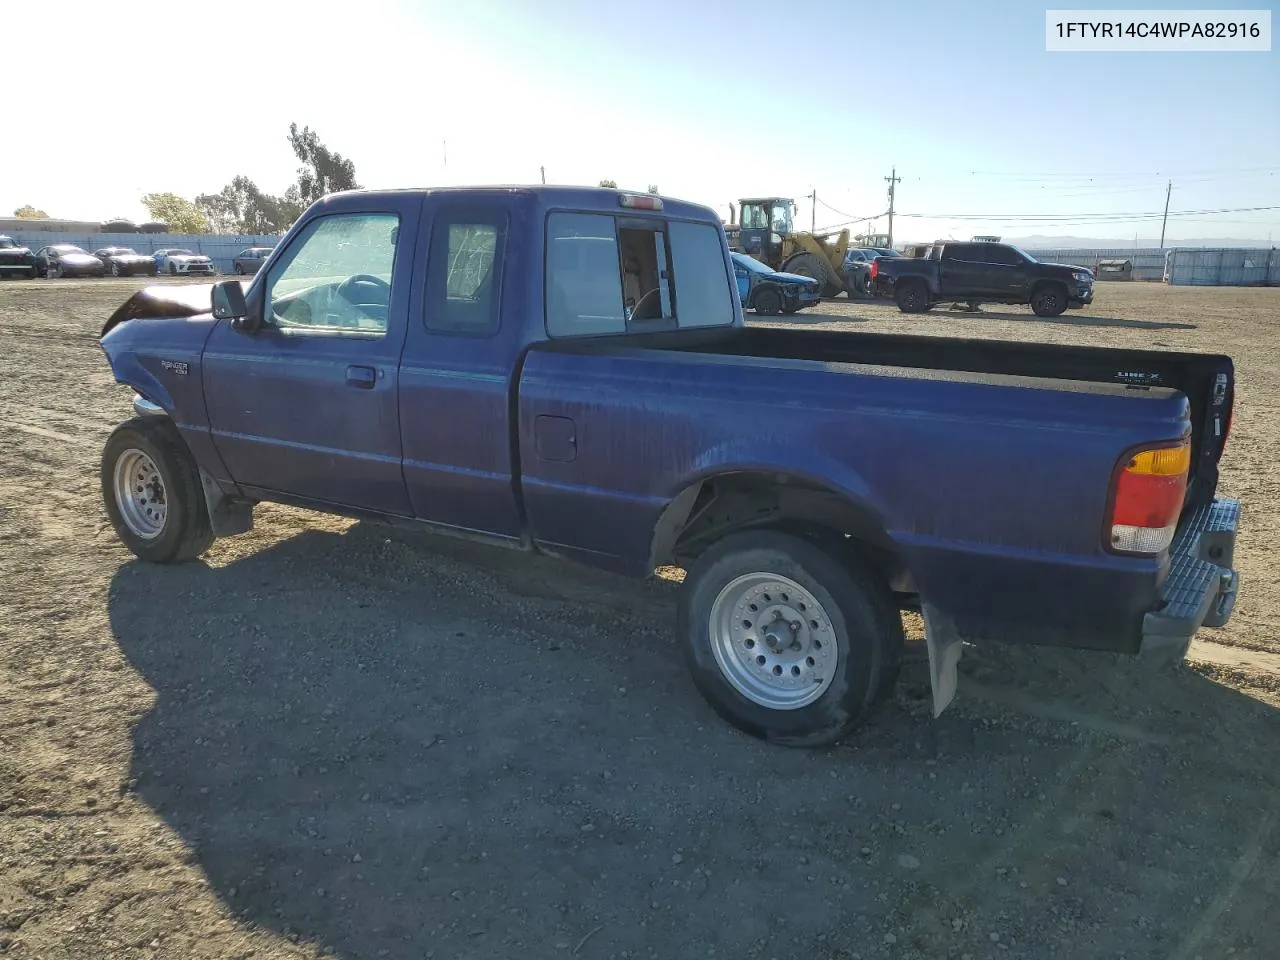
[(1201, 588)]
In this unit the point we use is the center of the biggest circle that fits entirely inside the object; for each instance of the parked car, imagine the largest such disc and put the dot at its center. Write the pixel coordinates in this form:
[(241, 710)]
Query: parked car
[(810, 482), (857, 266), (15, 259), (768, 292), (67, 260), (981, 272), (249, 260), (176, 261), (126, 262)]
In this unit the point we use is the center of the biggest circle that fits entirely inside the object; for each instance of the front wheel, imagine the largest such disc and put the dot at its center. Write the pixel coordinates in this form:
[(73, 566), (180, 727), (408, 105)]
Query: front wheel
[(785, 641), (1049, 300), (115, 269), (173, 270), (768, 302), (152, 494)]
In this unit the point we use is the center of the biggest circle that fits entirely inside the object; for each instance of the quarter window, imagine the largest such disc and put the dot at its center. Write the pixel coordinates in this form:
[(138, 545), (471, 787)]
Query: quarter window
[(464, 273), (337, 279)]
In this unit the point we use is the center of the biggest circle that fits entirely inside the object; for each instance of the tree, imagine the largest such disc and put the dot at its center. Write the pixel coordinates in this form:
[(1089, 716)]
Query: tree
[(179, 213), (30, 213), (323, 170), (241, 207), (609, 184)]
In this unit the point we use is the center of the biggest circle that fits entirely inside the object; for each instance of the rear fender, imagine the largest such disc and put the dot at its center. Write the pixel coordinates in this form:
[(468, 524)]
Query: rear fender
[(791, 465)]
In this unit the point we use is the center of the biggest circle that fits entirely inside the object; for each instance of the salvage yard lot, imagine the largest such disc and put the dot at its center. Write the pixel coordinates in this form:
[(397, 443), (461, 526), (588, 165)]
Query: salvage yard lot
[(331, 739)]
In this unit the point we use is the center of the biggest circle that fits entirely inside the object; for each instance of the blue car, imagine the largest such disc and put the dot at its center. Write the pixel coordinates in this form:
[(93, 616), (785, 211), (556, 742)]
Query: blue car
[(768, 292)]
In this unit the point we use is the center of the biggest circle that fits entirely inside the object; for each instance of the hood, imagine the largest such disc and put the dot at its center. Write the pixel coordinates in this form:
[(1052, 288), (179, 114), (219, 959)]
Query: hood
[(80, 258), (1066, 266), (128, 256), (791, 278), (193, 257), (154, 303), (15, 251)]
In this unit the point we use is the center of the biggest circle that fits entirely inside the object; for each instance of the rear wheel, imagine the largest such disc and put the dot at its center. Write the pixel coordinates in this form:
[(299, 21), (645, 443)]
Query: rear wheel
[(912, 297), (152, 493), (115, 269), (768, 302), (173, 270), (785, 641), (1049, 300)]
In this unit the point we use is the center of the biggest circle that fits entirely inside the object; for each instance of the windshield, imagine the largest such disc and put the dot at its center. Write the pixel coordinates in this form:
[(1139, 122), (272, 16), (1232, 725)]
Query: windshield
[(1022, 252), (781, 218), (7, 244), (182, 253), (753, 216), (68, 248), (751, 263), (886, 252)]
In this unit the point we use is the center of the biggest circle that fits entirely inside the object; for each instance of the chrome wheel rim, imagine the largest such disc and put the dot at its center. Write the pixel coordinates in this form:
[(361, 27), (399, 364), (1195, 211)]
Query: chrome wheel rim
[(140, 494), (773, 641)]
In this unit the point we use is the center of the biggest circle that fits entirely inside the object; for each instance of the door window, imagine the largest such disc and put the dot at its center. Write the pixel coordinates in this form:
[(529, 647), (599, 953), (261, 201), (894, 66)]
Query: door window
[(336, 278)]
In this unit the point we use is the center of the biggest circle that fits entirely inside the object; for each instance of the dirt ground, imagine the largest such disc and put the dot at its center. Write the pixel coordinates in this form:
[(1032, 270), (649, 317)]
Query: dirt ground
[(328, 739)]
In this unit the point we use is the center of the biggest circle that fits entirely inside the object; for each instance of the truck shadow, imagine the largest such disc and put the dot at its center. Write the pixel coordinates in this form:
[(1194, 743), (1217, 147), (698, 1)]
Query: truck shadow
[(387, 745), (1070, 319)]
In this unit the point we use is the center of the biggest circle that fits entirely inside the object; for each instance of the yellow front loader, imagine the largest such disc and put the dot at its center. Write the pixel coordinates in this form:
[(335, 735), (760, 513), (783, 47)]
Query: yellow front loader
[(767, 232)]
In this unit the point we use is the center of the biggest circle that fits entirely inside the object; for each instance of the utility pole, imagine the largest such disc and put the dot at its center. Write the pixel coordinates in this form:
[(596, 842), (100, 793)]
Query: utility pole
[(1168, 190), (894, 180), (813, 210)]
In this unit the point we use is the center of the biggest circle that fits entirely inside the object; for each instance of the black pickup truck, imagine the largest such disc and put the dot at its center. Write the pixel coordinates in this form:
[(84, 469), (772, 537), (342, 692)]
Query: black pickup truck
[(980, 272)]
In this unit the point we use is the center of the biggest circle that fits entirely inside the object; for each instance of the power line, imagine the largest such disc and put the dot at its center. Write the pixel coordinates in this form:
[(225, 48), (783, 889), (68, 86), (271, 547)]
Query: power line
[(1081, 217), (1153, 175)]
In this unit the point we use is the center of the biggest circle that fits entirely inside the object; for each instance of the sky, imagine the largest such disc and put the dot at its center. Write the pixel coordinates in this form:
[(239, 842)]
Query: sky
[(711, 100)]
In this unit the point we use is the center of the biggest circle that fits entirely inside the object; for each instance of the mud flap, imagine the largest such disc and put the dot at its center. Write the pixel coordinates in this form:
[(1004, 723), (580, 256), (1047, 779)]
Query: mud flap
[(227, 517), (945, 647)]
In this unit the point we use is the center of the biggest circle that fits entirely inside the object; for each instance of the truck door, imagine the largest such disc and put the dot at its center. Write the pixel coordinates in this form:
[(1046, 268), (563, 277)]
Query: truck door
[(455, 374), (1006, 273), (960, 270), (307, 406)]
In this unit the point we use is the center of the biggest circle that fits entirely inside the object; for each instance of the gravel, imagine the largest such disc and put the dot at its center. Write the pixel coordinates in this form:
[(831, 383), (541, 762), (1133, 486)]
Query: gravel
[(331, 739)]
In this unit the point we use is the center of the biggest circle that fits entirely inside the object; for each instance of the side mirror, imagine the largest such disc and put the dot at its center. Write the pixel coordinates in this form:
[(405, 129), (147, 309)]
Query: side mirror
[(229, 304)]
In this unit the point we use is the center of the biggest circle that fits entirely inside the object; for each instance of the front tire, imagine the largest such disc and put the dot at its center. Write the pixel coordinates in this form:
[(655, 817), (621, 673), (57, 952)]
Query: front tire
[(152, 493), (173, 270), (1049, 300), (768, 302), (785, 641), (115, 269)]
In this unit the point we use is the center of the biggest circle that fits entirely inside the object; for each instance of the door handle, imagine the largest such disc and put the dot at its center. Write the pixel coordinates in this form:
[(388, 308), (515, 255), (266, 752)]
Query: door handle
[(362, 377)]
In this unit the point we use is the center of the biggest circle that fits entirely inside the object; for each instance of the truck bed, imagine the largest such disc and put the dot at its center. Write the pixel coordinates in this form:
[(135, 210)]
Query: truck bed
[(988, 464), (1196, 375)]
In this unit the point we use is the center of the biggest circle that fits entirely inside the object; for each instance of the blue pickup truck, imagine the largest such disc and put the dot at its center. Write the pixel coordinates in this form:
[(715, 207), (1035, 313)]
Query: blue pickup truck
[(567, 371)]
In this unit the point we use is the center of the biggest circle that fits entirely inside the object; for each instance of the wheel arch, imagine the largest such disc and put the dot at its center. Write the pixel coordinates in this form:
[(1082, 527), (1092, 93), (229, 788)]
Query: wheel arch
[(728, 498)]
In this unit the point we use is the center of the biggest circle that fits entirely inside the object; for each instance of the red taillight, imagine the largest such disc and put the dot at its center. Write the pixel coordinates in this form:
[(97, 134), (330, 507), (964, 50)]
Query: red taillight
[(1147, 498), (875, 268)]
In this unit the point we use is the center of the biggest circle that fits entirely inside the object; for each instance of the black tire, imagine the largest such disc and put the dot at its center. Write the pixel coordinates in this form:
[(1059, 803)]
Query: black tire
[(1049, 300), (768, 302), (912, 297), (239, 270), (862, 615), (186, 533), (788, 311), (173, 270), (115, 269)]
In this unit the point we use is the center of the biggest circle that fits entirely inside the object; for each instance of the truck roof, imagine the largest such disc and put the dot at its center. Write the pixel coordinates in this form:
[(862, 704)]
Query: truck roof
[(604, 199)]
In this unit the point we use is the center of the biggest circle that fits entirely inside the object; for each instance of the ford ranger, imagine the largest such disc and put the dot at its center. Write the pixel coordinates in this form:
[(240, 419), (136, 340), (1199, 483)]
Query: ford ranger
[(980, 272), (567, 371)]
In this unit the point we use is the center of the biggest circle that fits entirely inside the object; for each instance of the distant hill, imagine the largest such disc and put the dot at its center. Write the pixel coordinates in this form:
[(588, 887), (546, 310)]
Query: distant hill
[(1043, 242)]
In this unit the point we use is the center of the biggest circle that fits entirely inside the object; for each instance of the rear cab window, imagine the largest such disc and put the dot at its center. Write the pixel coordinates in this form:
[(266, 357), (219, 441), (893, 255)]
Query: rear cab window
[(610, 274)]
